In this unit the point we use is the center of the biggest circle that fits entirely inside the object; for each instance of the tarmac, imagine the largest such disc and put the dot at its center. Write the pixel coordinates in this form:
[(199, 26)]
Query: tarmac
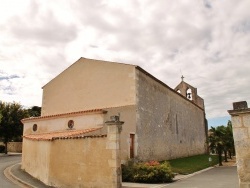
[(21, 178)]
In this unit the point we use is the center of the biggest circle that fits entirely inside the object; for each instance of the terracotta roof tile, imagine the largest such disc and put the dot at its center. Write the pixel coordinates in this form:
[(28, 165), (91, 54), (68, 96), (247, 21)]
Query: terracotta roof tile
[(64, 114), (67, 134)]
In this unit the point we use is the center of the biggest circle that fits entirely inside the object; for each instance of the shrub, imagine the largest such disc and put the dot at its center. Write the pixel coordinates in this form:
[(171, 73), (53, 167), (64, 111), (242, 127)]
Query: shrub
[(2, 149), (149, 172)]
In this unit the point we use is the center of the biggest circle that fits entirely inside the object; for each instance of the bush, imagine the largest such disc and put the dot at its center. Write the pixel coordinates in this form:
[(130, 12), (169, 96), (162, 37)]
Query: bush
[(149, 172), (2, 149)]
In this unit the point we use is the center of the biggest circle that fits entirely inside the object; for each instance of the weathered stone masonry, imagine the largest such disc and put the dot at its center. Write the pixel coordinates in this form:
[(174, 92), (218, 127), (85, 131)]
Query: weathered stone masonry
[(166, 122), (240, 116)]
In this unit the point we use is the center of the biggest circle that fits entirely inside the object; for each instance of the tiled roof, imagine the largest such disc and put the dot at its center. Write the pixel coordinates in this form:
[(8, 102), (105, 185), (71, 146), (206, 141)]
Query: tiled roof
[(67, 134), (65, 114)]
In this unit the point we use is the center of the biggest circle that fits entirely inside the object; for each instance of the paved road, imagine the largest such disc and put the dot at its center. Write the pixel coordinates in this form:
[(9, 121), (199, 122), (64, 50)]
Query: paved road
[(6, 161), (219, 177)]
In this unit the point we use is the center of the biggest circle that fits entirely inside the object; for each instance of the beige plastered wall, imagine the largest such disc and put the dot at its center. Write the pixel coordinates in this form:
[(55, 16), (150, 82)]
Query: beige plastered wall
[(69, 163), (93, 161), (36, 158), (80, 163), (168, 126), (53, 124), (89, 84), (128, 116)]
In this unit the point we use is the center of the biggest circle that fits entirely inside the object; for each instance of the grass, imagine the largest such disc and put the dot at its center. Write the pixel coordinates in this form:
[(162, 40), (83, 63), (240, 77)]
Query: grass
[(192, 164)]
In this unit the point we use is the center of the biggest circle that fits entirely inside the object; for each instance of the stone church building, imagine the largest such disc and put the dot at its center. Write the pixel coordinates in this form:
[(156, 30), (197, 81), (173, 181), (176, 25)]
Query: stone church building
[(159, 122)]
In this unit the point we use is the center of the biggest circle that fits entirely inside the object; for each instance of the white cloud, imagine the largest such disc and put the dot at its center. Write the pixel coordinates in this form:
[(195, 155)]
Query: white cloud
[(207, 41)]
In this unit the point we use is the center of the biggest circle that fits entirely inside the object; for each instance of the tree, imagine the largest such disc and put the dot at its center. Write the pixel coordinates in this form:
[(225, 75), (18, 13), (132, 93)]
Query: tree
[(34, 111), (229, 140), (11, 127), (215, 139), (221, 140)]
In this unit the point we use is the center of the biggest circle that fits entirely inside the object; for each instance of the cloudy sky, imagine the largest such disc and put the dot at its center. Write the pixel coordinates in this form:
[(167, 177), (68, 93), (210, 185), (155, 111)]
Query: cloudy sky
[(206, 41)]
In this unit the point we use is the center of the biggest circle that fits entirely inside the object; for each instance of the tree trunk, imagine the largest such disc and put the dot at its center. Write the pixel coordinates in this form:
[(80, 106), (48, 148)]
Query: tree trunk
[(220, 158), (225, 154), (6, 149), (230, 154)]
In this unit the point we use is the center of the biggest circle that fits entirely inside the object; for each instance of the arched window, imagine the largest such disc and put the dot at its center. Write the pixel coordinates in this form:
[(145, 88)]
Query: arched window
[(189, 94)]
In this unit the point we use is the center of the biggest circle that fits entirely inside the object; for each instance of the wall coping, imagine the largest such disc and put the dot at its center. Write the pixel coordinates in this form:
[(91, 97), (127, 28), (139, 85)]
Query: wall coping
[(237, 112)]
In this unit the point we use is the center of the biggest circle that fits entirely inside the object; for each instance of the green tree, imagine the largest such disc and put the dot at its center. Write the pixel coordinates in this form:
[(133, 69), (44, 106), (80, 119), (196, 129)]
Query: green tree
[(221, 140), (229, 140), (215, 138), (11, 127), (34, 111)]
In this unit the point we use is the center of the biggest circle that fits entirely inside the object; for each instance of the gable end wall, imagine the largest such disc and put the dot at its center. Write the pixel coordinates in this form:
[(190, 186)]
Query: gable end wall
[(89, 84)]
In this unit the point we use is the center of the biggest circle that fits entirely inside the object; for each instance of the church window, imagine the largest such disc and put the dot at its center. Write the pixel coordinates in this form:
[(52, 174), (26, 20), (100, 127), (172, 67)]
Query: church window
[(70, 124), (35, 127), (189, 94)]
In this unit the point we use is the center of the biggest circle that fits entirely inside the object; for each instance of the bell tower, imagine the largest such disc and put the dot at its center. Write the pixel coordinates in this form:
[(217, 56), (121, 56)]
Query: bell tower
[(189, 92)]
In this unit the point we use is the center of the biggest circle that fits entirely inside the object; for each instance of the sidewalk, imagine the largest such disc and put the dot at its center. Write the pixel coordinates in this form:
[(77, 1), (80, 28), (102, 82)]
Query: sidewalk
[(9, 154), (23, 179), (18, 176)]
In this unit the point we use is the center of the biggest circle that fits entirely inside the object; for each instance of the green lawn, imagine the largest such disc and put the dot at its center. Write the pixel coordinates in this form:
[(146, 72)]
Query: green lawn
[(192, 164)]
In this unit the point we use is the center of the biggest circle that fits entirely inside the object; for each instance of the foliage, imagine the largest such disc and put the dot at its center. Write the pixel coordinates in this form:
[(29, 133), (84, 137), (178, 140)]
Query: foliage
[(221, 140), (149, 172), (229, 142), (11, 127), (2, 149), (34, 111), (192, 164)]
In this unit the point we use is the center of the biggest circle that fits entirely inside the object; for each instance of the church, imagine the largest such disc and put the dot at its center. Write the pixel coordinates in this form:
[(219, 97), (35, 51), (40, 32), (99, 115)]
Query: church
[(159, 122)]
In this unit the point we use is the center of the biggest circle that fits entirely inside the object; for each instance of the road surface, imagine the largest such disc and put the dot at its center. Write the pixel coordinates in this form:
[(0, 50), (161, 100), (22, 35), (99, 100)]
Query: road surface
[(218, 177), (6, 161)]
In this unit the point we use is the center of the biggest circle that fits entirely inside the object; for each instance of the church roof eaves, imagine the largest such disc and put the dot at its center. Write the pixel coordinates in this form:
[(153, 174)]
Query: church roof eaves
[(165, 85), (64, 114), (67, 134)]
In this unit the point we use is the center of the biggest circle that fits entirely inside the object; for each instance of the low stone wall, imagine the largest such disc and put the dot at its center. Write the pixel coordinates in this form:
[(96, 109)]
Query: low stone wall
[(14, 146)]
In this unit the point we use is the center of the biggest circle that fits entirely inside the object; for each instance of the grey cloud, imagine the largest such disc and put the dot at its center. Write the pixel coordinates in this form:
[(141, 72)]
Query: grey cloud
[(206, 41), (9, 77), (5, 76), (41, 28), (207, 4), (93, 46), (243, 26)]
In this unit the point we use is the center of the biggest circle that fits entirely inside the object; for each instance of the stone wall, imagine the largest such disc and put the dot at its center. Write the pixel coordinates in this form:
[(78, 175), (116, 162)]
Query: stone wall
[(15, 147), (241, 131), (168, 125)]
